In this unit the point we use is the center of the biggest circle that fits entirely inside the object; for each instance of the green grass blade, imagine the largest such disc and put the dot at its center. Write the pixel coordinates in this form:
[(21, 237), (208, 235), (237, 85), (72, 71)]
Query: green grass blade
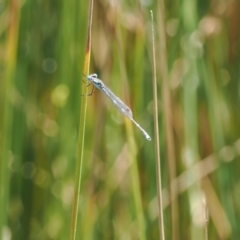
[(81, 132)]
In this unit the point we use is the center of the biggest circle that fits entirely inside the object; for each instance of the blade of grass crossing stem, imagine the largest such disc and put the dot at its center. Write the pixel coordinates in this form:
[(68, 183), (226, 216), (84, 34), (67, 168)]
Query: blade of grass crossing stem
[(81, 132)]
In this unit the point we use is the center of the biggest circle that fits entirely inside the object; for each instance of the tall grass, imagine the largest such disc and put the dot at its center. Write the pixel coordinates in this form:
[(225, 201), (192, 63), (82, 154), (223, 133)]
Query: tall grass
[(42, 54), (11, 44)]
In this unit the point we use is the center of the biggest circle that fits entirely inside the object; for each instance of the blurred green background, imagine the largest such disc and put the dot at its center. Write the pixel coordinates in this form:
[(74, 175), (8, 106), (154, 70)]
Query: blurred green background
[(42, 47)]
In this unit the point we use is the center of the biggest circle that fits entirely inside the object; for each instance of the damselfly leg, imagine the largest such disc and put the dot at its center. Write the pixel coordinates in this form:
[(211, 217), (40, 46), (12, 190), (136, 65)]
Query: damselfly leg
[(93, 87)]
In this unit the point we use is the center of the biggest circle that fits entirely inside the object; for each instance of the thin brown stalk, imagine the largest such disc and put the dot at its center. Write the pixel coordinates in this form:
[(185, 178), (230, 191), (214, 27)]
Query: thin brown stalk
[(157, 141), (167, 108)]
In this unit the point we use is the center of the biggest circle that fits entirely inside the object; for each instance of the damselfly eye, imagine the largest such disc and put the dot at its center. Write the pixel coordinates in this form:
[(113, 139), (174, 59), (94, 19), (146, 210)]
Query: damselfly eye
[(94, 75)]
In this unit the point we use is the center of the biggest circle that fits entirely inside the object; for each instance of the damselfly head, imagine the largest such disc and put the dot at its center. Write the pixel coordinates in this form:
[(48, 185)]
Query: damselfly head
[(91, 77)]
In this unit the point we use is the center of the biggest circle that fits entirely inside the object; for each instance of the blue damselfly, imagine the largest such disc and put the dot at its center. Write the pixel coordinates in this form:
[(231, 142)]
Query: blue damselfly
[(119, 104)]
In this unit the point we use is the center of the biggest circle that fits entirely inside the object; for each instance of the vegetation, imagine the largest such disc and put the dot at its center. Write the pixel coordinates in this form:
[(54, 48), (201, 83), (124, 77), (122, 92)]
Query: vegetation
[(43, 88)]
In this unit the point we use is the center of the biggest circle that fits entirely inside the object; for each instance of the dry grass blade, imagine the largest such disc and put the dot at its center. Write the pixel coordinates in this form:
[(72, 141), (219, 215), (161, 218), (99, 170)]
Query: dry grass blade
[(157, 142), (168, 115)]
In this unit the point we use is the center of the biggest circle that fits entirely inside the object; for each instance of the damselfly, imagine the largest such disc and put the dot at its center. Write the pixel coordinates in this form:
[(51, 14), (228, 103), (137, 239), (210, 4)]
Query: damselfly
[(119, 104)]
